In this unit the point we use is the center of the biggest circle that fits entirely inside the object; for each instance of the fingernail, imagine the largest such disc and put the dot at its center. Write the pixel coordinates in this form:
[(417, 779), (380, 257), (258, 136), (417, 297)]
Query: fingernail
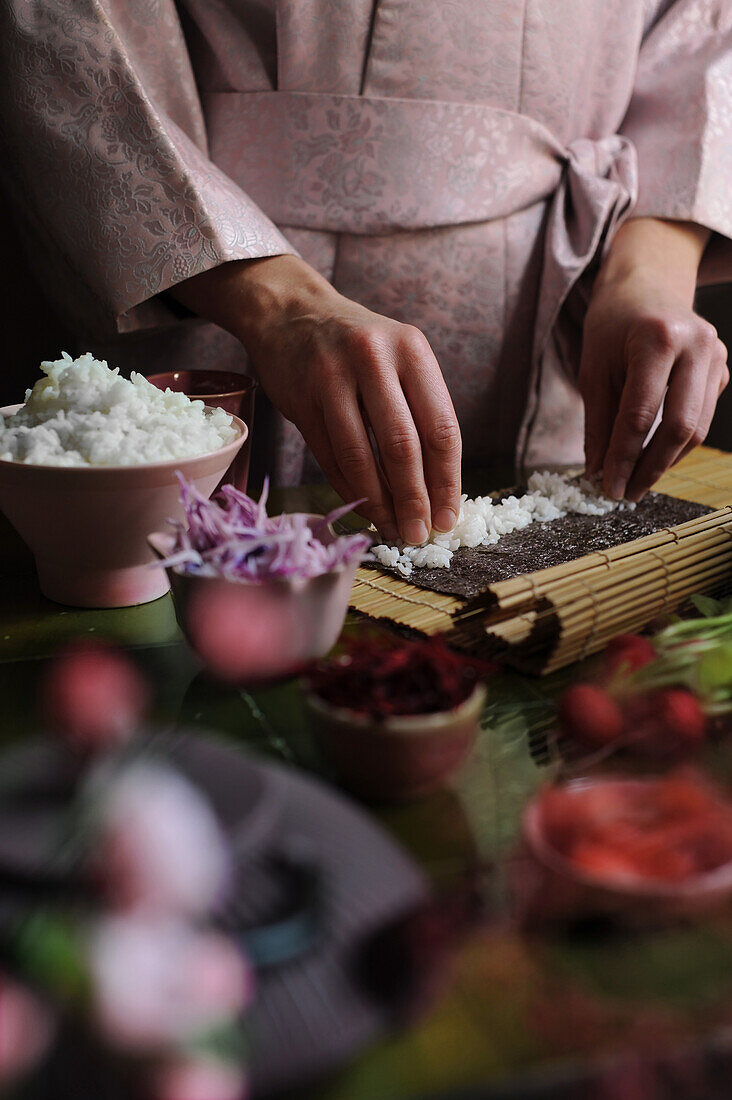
[(444, 520), (615, 488), (415, 532), (634, 495)]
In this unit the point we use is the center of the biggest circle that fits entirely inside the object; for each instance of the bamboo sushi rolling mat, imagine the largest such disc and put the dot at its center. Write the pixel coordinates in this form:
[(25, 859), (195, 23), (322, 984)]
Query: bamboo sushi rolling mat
[(541, 621)]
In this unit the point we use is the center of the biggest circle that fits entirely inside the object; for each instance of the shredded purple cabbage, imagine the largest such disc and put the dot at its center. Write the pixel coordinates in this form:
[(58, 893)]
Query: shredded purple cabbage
[(233, 537)]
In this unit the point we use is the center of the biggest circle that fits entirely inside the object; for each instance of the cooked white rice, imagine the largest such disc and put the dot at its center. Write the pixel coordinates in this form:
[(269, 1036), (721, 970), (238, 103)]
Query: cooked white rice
[(483, 521), (84, 414)]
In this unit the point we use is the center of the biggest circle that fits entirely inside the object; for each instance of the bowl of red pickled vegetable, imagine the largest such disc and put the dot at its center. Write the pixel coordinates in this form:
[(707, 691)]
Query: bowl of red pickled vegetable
[(651, 846), (395, 718)]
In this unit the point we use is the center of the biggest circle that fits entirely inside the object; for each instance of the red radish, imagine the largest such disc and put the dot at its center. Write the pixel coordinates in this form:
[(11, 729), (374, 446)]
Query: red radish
[(589, 715), (93, 696), (628, 653), (666, 723), (681, 711)]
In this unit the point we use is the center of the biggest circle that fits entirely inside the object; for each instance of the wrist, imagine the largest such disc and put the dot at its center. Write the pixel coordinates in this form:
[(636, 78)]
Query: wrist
[(245, 296), (275, 289), (650, 251)]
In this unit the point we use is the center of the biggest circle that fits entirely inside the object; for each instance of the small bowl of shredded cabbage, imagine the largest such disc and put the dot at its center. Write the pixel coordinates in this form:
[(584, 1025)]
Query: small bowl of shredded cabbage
[(257, 596)]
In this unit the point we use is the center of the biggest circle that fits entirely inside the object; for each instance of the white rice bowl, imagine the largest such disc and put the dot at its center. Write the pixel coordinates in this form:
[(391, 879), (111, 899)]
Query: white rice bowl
[(85, 414)]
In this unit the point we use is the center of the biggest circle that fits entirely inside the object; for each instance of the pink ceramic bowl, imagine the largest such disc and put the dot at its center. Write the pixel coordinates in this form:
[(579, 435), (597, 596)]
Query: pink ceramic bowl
[(400, 758), (568, 889), (87, 526), (219, 389), (255, 633)]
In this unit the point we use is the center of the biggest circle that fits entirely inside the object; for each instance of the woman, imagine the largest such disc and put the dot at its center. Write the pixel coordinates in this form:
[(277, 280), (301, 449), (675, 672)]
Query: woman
[(406, 212)]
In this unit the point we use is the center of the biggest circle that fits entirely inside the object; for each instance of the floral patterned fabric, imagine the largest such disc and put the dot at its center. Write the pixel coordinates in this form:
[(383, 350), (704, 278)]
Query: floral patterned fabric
[(459, 166)]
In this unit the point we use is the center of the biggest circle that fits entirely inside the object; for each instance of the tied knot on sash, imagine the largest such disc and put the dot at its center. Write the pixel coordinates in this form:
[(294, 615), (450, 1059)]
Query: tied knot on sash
[(595, 193), (597, 189)]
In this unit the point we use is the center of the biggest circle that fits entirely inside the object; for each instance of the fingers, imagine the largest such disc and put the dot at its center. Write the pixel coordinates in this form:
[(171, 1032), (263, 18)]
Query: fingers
[(415, 481), (376, 412), (650, 360), (354, 456), (437, 427), (601, 407), (600, 412), (400, 451), (319, 443), (681, 414), (688, 409), (716, 383)]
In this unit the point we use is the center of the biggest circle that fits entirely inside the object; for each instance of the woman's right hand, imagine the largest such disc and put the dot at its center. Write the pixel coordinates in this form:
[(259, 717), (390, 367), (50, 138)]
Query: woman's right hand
[(338, 372)]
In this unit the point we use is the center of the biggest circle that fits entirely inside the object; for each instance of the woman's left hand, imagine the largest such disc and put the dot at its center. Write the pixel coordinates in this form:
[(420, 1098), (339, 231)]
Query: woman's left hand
[(644, 347)]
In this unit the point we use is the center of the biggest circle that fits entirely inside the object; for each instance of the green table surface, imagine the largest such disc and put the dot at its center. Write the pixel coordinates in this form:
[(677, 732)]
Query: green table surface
[(516, 1008)]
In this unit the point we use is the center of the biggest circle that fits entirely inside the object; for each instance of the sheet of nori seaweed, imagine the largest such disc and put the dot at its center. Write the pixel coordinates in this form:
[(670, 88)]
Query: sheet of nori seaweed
[(543, 544)]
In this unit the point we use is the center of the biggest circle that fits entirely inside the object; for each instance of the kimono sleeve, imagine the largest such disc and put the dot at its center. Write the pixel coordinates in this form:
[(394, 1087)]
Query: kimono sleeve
[(680, 121), (106, 169)]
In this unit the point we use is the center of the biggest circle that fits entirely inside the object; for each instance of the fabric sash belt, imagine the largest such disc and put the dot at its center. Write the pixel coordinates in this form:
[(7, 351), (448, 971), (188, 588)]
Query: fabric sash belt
[(359, 164)]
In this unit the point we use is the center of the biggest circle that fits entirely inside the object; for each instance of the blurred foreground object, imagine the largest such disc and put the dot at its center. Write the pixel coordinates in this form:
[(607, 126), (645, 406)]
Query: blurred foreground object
[(660, 699), (190, 920), (123, 946), (630, 848), (27, 1029), (94, 697)]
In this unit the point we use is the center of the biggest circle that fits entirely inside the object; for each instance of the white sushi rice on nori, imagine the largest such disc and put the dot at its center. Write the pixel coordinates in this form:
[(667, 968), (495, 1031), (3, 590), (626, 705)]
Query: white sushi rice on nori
[(85, 414), (483, 521)]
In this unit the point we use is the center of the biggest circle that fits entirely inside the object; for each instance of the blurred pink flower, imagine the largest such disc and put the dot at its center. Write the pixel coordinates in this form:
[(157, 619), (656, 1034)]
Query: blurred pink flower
[(160, 848), (159, 982), (93, 696), (27, 1029), (200, 1079)]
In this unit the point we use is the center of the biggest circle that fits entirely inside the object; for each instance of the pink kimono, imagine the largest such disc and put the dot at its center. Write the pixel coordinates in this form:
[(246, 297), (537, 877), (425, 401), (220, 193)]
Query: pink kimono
[(456, 164)]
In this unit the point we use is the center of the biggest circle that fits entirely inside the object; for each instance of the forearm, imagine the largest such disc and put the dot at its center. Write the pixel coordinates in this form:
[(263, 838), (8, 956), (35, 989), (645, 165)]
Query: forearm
[(240, 296), (650, 249)]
